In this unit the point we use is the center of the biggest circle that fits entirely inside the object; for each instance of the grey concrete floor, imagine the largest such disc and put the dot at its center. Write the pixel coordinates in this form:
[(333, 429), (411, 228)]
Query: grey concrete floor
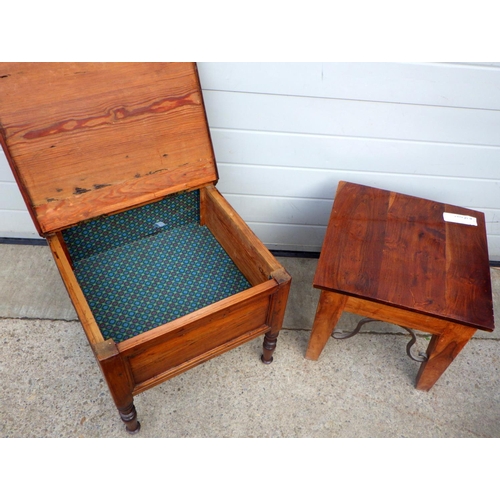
[(361, 387)]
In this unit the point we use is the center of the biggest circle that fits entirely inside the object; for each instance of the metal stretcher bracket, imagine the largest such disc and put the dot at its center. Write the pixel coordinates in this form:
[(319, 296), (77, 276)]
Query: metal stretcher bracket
[(421, 357)]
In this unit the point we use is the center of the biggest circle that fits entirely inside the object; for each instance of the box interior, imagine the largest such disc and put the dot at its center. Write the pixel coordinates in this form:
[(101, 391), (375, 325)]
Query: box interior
[(147, 266)]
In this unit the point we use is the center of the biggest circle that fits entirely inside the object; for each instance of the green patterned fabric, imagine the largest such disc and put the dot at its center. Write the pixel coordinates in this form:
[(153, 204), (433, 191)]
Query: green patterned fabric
[(137, 274), (117, 230)]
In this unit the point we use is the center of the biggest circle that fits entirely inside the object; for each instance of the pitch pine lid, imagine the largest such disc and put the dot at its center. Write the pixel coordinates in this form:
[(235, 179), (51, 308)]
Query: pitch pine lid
[(86, 139)]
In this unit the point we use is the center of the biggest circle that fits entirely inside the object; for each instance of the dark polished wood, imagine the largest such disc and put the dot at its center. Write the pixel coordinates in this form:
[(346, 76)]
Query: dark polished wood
[(401, 260), (398, 250)]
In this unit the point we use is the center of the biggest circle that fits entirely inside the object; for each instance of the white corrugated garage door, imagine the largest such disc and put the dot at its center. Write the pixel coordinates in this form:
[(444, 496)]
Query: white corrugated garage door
[(284, 135)]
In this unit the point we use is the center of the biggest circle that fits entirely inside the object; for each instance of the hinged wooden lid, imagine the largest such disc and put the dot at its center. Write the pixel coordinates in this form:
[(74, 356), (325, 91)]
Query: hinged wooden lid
[(86, 139)]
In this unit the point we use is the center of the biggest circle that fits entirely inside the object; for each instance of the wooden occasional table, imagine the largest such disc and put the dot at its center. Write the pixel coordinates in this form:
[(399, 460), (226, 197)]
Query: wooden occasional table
[(405, 260)]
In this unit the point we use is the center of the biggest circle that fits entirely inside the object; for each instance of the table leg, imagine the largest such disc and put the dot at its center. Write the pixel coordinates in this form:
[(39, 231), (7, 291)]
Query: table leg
[(330, 308), (442, 350)]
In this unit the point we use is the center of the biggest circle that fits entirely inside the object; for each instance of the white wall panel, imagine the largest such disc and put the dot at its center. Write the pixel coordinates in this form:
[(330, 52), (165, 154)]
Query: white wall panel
[(285, 134), (493, 246), (279, 236), (234, 110), (354, 153), (298, 211), (11, 196), (321, 184), (17, 224), (15, 221), (5, 172), (412, 83)]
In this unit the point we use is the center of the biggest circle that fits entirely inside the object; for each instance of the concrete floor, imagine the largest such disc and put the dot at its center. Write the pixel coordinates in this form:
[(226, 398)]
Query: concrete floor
[(361, 387)]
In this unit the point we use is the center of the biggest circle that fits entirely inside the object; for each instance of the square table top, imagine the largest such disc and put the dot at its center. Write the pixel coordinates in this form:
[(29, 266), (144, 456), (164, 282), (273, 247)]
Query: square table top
[(399, 250)]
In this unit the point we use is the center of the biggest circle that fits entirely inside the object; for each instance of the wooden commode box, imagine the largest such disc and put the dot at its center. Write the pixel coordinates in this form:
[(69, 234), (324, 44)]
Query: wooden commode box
[(116, 167)]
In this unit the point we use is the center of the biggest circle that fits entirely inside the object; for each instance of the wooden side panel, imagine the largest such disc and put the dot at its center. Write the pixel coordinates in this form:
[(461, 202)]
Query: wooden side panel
[(279, 300), (396, 316), (116, 372), (250, 255), (197, 334), (88, 138), (82, 308)]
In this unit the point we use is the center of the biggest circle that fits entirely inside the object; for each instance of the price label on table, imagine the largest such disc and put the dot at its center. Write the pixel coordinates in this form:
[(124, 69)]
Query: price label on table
[(460, 219)]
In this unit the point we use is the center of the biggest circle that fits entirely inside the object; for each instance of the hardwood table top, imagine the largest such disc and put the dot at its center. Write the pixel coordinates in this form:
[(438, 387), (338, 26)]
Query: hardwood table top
[(399, 250)]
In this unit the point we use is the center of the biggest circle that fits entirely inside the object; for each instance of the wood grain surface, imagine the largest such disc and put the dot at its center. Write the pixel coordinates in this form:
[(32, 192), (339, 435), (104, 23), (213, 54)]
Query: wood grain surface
[(85, 139), (246, 250), (398, 250)]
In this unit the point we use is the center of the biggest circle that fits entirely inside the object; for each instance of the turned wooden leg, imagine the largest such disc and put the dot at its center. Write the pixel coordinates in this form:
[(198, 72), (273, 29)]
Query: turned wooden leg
[(442, 350), (129, 417), (268, 347), (116, 371), (276, 314), (330, 308)]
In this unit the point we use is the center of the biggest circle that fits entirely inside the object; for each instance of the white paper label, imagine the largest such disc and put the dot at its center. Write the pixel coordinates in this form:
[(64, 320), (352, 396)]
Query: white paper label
[(460, 219)]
